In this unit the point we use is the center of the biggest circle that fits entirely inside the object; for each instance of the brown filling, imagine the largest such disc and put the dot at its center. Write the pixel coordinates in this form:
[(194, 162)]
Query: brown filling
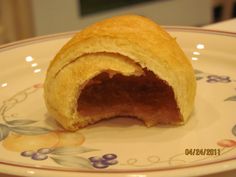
[(145, 97)]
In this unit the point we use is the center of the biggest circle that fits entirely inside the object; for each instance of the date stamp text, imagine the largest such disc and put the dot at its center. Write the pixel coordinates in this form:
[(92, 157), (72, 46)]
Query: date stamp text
[(203, 152)]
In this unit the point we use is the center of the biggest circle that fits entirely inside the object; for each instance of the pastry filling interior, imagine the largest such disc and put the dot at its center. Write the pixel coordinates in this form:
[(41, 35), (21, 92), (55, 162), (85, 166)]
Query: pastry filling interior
[(145, 97)]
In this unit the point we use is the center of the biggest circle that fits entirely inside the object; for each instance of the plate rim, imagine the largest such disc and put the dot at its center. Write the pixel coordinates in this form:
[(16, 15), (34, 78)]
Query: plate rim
[(43, 38), (115, 171), (71, 33)]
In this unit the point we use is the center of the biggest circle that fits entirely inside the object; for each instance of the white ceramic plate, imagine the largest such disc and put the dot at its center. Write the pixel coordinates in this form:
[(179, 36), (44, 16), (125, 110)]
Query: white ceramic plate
[(206, 144)]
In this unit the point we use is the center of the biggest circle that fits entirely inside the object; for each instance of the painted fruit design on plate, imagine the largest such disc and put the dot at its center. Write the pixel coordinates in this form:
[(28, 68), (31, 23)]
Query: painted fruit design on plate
[(21, 142), (103, 162), (38, 143)]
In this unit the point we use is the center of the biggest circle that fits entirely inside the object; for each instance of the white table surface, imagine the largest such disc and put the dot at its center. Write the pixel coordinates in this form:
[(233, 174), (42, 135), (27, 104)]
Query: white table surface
[(229, 25)]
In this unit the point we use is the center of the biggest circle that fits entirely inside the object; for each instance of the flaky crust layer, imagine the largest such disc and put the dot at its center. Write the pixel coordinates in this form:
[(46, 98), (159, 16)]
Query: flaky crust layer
[(125, 44)]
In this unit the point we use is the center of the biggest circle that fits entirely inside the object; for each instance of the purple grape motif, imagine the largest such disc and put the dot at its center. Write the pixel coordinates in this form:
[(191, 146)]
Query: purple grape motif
[(96, 159), (109, 156), (216, 78), (103, 162), (100, 165), (27, 153), (234, 130), (110, 162), (39, 156)]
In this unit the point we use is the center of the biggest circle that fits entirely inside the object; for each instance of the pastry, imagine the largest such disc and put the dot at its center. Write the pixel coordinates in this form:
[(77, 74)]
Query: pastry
[(122, 66)]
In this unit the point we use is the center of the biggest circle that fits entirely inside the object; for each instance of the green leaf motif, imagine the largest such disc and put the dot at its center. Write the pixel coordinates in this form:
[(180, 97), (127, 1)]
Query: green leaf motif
[(30, 130), (4, 131), (232, 98), (73, 161), (197, 71), (199, 77), (21, 122), (72, 150)]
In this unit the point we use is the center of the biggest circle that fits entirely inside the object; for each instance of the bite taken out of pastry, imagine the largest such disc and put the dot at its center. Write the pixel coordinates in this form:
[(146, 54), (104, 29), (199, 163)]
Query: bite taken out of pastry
[(122, 66)]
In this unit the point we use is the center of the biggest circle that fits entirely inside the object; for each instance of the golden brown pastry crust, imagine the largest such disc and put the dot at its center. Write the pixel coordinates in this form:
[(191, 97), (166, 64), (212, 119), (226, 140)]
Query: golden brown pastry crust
[(126, 41)]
